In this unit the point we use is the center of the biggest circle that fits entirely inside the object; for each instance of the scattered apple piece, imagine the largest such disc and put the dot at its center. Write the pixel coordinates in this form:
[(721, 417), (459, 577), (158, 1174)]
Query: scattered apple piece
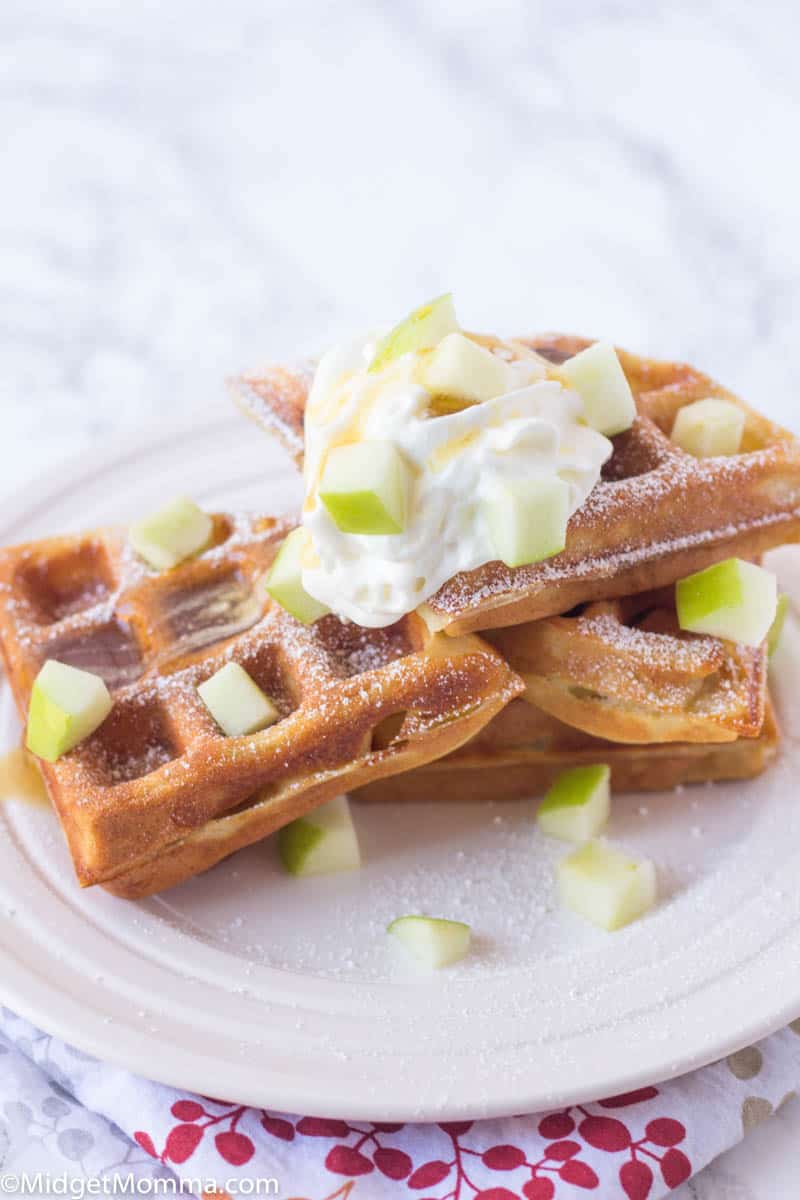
[(67, 705), (733, 599), (461, 369), (171, 535), (284, 580), (236, 702), (365, 488), (322, 842), (436, 942), (776, 628), (709, 427), (577, 805), (528, 519), (605, 886), (422, 329), (596, 375)]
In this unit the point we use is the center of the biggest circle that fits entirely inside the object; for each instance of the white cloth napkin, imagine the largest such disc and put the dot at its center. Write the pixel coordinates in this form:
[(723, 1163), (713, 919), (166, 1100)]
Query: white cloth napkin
[(99, 1121)]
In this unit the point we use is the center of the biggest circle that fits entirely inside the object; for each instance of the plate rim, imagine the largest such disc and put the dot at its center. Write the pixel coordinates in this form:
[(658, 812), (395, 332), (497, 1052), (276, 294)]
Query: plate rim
[(41, 1001)]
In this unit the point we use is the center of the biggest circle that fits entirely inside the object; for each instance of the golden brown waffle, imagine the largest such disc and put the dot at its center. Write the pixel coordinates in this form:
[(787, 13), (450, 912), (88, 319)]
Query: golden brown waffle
[(158, 793), (656, 515), (625, 671), (275, 398), (520, 752)]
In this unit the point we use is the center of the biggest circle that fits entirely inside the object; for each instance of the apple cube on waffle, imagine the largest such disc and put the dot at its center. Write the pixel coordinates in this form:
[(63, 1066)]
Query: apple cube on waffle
[(159, 792), (658, 513)]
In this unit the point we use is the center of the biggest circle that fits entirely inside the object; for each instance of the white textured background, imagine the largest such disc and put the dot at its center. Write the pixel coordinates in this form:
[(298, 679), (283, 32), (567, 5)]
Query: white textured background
[(190, 188)]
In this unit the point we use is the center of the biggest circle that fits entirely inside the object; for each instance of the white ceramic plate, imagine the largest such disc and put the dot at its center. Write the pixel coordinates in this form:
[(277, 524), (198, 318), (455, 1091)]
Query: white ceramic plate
[(287, 993)]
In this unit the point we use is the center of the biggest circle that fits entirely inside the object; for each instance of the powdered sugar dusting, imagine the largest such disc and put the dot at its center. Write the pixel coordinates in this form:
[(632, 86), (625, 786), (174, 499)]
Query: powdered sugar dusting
[(654, 502), (162, 634)]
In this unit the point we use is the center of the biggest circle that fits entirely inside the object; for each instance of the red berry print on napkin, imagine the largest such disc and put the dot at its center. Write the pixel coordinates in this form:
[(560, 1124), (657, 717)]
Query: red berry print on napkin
[(555, 1156), (182, 1142), (429, 1174), (636, 1179)]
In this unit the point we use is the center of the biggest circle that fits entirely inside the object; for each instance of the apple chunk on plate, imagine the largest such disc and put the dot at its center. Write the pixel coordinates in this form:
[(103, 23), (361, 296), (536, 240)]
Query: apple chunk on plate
[(236, 702), (422, 329), (365, 488), (733, 599), (322, 842), (436, 942), (171, 535), (577, 805), (67, 705), (605, 886), (596, 375), (284, 580)]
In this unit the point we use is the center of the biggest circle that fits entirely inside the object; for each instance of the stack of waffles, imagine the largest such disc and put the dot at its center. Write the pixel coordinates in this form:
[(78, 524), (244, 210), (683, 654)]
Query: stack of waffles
[(507, 677)]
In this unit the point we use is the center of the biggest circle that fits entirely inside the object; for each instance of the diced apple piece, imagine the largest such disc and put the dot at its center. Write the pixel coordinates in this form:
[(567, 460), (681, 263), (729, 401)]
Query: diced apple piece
[(321, 843), (284, 580), (733, 599), (422, 329), (435, 941), (776, 628), (365, 488), (172, 534), (67, 705), (236, 702), (605, 886), (577, 805), (461, 369), (596, 375), (709, 427), (527, 519)]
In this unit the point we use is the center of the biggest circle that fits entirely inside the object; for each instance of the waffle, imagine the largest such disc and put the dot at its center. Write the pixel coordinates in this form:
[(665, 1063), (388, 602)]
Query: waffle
[(158, 793), (623, 670), (519, 754), (656, 515)]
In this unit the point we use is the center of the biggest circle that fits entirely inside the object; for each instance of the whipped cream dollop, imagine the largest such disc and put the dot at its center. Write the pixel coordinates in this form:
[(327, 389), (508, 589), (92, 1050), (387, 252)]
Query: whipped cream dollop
[(457, 460)]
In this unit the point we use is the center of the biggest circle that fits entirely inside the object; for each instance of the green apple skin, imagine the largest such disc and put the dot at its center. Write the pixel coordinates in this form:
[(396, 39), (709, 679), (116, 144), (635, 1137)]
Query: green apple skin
[(434, 941), (527, 519), (578, 804), (236, 702), (175, 533), (422, 329), (284, 581), (469, 373), (67, 705), (733, 599), (605, 886), (296, 844), (709, 427), (324, 842), (596, 375), (365, 487), (776, 628)]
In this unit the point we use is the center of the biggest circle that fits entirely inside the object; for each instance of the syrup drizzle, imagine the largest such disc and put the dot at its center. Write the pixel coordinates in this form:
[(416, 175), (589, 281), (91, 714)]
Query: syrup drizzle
[(20, 778), (213, 612)]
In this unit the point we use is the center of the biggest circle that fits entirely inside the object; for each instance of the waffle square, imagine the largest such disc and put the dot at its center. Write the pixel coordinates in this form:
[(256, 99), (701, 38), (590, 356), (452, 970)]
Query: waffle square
[(656, 515), (158, 793)]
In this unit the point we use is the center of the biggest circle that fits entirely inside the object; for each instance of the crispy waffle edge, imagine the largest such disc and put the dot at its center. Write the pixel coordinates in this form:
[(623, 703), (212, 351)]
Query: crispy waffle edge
[(482, 772), (214, 795), (657, 515)]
